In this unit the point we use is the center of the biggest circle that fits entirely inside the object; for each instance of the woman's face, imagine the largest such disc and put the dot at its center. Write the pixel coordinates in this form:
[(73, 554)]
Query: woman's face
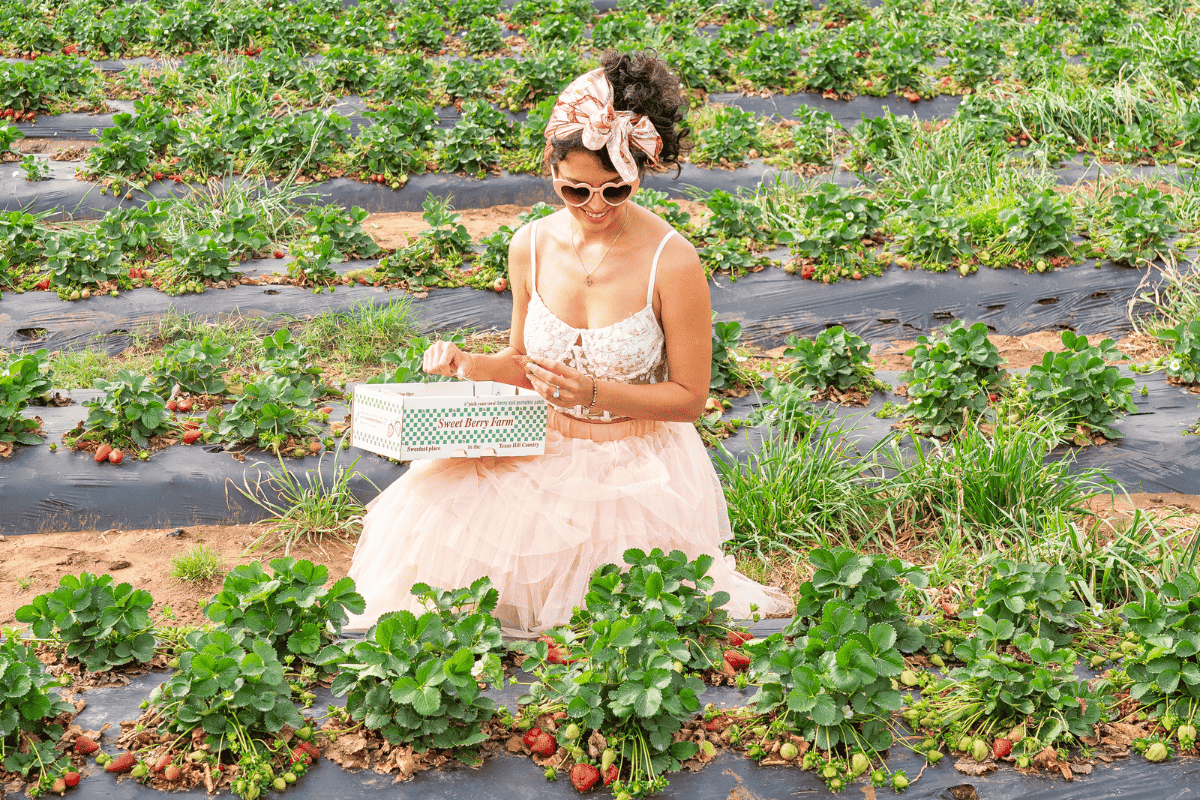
[(594, 216)]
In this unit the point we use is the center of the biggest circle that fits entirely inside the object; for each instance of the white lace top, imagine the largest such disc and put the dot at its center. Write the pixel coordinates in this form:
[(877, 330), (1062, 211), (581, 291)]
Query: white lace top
[(630, 351)]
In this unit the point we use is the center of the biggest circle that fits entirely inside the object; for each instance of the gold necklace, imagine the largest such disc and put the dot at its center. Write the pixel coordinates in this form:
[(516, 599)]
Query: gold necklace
[(587, 273)]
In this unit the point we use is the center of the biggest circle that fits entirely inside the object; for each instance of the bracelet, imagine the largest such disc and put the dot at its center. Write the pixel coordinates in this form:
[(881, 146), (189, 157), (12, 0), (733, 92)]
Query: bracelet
[(595, 391)]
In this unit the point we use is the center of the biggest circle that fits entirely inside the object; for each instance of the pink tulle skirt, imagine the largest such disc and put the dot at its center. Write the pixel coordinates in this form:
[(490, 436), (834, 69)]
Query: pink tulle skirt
[(538, 526)]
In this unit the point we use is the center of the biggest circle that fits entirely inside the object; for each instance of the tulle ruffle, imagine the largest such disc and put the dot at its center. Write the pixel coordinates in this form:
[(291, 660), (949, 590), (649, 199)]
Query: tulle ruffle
[(538, 526)]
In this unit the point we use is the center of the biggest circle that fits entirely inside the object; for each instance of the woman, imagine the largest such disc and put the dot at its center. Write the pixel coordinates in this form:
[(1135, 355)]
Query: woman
[(611, 324)]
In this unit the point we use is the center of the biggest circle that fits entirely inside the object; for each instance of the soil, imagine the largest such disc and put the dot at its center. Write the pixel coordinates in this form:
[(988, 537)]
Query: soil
[(141, 558), (77, 149), (394, 229), (1022, 352)]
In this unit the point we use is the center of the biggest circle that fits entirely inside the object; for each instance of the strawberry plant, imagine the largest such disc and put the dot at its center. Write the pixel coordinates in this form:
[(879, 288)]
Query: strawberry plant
[(35, 168), (493, 261), (301, 142), (614, 676), (539, 78), (195, 366), (342, 228), (133, 230), (290, 359), (832, 66), (951, 376), (8, 135), (311, 259), (1033, 598), (975, 56), (659, 203), (474, 143), (1079, 387), (724, 373), (556, 32), (29, 707), (836, 358), (75, 257), (1138, 225), (444, 245), (879, 139), (735, 257), (729, 139), (466, 80), (101, 624), (815, 136), (1163, 666), (22, 378), (393, 144), (868, 583), (290, 609), (21, 237), (931, 236), (416, 680), (837, 219), (269, 413), (128, 147), (1039, 224), (482, 36), (734, 217), (833, 685), (772, 60), (129, 411), (202, 255), (1183, 365), (421, 31), (700, 62)]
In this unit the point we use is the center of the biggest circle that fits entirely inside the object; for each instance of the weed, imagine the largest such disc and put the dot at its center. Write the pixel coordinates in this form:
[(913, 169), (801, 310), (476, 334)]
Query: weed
[(199, 564)]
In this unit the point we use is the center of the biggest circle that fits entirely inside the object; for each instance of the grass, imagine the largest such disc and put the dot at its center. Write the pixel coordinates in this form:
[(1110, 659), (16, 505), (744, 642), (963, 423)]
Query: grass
[(199, 564), (351, 343), (25, 583), (307, 509)]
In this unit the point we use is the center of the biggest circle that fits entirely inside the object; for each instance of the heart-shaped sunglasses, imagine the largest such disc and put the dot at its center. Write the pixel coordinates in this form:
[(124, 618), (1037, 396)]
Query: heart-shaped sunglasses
[(577, 194)]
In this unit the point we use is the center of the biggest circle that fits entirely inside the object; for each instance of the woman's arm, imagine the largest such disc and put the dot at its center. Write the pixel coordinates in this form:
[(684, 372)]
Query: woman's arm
[(685, 311), (445, 358)]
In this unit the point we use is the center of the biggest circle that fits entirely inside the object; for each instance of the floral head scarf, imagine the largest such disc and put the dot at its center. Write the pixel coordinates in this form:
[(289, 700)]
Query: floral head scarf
[(586, 105)]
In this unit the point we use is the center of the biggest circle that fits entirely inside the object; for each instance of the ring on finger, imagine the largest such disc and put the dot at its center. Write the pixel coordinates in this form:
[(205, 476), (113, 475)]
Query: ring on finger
[(557, 393)]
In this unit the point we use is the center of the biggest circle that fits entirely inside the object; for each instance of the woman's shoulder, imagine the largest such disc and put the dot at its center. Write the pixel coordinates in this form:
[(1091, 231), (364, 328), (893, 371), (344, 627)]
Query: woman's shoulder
[(678, 257)]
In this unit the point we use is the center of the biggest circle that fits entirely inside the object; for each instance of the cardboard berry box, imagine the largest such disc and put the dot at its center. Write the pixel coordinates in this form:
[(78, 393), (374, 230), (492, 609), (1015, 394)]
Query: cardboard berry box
[(455, 419)]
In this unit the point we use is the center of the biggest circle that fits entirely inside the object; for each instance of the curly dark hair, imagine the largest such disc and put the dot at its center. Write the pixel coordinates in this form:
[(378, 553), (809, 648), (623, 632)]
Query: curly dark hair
[(642, 83)]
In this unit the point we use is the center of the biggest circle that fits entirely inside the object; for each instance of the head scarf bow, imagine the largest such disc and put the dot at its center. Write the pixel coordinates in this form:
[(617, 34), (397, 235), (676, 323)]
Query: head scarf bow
[(586, 105)]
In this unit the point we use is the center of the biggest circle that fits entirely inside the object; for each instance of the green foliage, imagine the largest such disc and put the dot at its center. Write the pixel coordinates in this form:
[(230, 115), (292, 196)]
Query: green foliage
[(1166, 664), (815, 136), (202, 255), (786, 406), (658, 202), (834, 683), (729, 139), (493, 261), (474, 143), (838, 220), (733, 217), (1039, 224), (134, 230), (868, 583), (836, 357), (129, 410), (8, 135), (311, 259), (680, 588), (290, 359), (1184, 362), (290, 609), (396, 144), (21, 238), (35, 168), (724, 371), (102, 625), (77, 258), (1079, 387), (441, 246), (975, 56), (27, 700), (1030, 598), (1138, 225), (417, 680), (22, 378), (268, 413), (932, 235), (951, 376), (128, 147), (228, 684), (832, 66), (196, 366), (404, 363), (343, 228), (482, 36)]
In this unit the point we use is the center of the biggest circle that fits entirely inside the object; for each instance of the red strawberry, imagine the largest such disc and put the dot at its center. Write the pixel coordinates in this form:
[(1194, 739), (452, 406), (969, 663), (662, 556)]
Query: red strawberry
[(185, 404), (71, 778), (325, 410), (610, 774), (172, 405), (807, 271), (739, 638), (43, 284), (716, 723), (531, 736), (191, 435), (122, 763), (543, 745), (1001, 747), (161, 763), (191, 424), (102, 454), (584, 776), (300, 757), (158, 176), (737, 661), (115, 456), (310, 748), (171, 773), (278, 254)]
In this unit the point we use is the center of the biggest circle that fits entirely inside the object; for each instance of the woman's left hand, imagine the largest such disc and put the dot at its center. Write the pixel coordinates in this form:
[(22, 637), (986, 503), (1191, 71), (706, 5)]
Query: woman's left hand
[(561, 385)]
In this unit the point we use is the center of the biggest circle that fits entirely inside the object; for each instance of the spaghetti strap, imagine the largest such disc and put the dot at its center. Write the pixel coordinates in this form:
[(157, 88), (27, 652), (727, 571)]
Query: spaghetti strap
[(654, 265), (533, 255)]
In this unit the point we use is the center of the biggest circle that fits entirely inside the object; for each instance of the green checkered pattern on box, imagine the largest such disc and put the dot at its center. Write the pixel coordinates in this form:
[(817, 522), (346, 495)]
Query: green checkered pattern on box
[(361, 439), (370, 401), (420, 425)]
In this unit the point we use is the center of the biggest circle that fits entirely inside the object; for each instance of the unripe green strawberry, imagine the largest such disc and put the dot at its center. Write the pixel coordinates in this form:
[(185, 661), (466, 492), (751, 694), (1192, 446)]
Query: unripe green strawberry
[(707, 748), (829, 771), (964, 744), (251, 792), (937, 661), (572, 732), (980, 751), (899, 782), (933, 756), (173, 663), (948, 649), (1156, 752), (1098, 661), (859, 764), (909, 678), (1023, 762), (1128, 647), (289, 777), (760, 731), (835, 784), (1186, 731), (304, 733), (609, 757), (280, 784), (789, 751), (878, 777)]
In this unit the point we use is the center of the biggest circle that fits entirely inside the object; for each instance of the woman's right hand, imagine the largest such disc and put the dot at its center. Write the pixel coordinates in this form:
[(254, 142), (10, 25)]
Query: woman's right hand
[(446, 358)]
